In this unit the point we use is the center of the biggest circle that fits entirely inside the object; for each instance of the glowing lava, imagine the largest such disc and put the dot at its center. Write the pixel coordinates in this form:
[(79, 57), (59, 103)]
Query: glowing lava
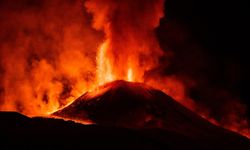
[(104, 68)]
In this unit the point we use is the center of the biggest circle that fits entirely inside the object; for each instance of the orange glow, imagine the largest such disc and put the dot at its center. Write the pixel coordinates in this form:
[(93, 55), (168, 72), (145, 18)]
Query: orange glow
[(130, 75), (51, 61), (104, 68), (58, 55), (128, 50)]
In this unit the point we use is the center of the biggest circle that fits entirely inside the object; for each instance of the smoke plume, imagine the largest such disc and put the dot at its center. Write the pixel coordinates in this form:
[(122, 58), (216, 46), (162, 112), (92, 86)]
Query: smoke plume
[(130, 47), (47, 54)]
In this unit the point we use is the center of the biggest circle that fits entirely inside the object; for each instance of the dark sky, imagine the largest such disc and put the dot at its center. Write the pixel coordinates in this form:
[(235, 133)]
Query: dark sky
[(210, 40)]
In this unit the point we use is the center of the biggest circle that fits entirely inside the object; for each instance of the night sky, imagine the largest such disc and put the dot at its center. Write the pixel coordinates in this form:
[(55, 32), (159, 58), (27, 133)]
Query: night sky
[(210, 42)]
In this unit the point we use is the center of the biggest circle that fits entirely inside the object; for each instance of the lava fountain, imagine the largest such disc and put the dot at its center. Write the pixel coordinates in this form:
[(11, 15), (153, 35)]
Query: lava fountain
[(130, 47)]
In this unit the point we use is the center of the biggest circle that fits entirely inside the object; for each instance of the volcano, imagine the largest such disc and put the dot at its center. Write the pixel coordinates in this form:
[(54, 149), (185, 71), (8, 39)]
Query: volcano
[(138, 106), (134, 105)]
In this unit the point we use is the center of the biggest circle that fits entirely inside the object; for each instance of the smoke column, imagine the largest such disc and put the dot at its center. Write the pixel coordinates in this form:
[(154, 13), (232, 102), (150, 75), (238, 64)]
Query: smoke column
[(130, 47)]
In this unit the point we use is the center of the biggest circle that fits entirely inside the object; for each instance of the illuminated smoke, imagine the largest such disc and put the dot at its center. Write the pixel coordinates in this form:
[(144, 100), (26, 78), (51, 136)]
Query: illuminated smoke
[(130, 47), (47, 54)]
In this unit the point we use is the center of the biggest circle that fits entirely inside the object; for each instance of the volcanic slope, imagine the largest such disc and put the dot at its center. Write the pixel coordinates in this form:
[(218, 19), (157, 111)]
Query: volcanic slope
[(126, 116), (138, 106)]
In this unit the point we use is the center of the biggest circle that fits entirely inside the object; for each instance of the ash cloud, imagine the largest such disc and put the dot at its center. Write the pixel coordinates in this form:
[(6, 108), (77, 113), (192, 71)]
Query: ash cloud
[(47, 53), (129, 29), (207, 55)]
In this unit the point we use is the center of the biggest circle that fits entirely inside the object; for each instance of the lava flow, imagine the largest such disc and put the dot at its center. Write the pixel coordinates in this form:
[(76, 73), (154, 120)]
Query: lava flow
[(48, 72)]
